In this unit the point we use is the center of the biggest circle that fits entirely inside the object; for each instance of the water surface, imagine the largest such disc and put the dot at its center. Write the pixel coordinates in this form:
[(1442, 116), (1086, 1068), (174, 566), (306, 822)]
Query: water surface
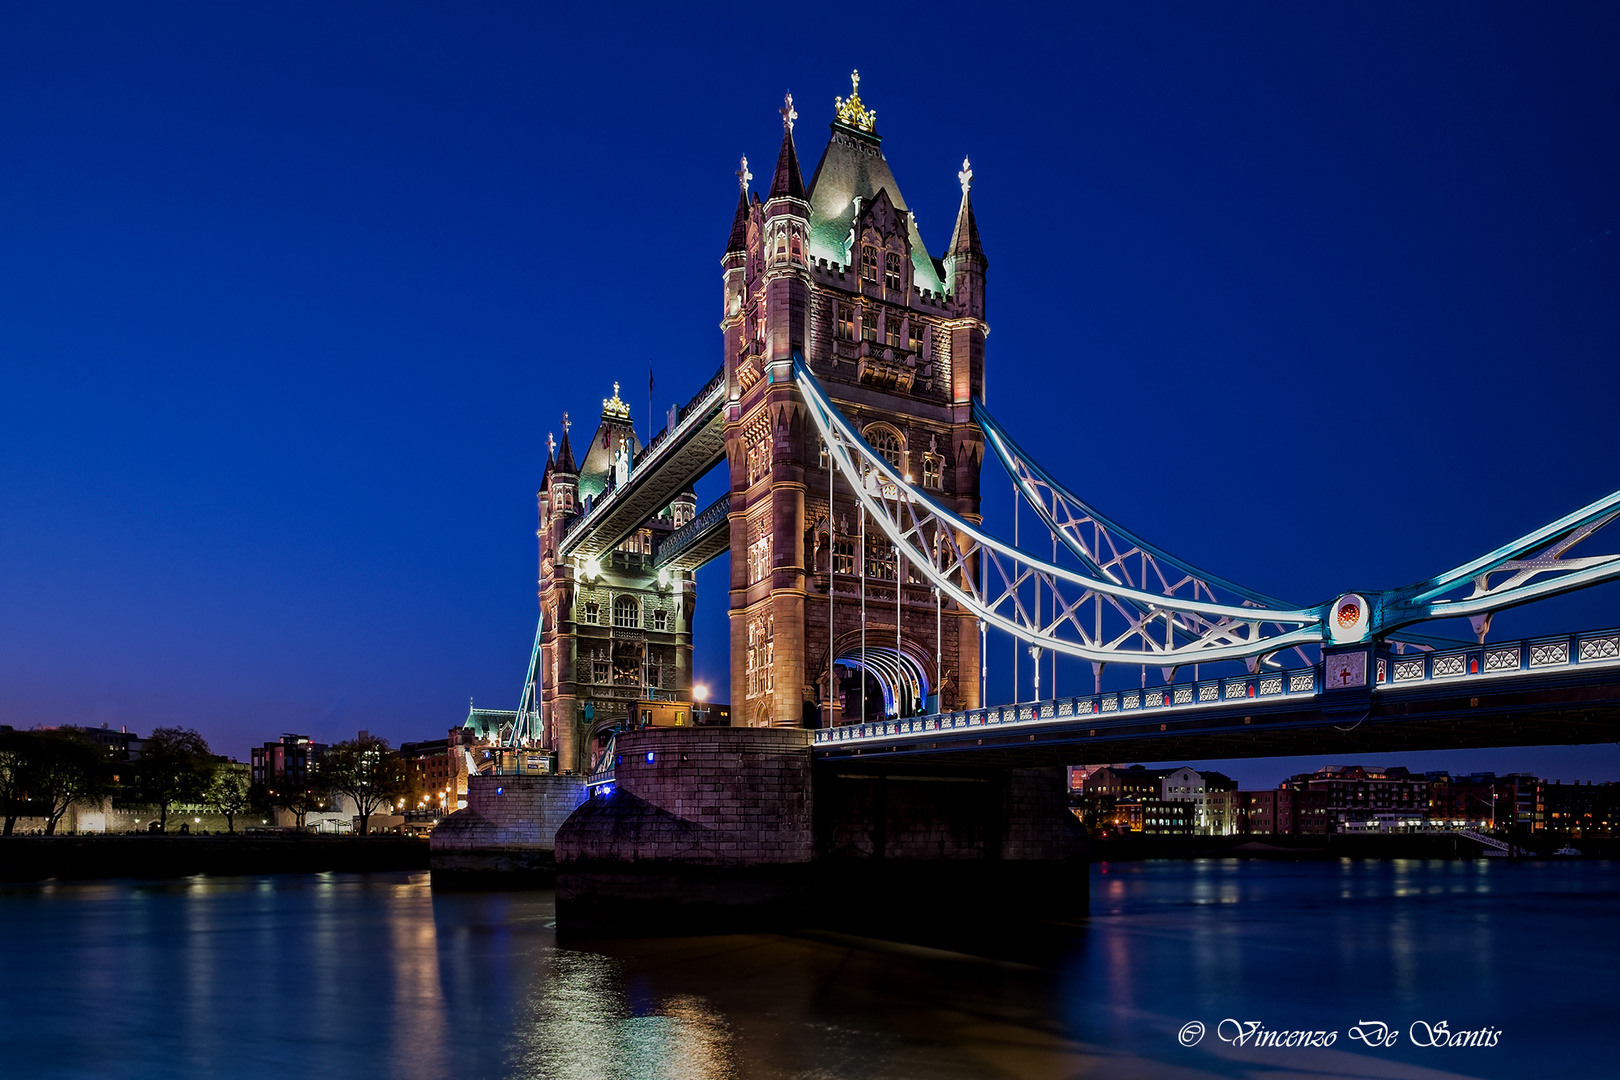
[(377, 976)]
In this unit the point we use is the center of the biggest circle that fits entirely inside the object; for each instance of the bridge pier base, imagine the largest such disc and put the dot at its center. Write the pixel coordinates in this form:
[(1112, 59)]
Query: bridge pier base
[(506, 834), (730, 828)]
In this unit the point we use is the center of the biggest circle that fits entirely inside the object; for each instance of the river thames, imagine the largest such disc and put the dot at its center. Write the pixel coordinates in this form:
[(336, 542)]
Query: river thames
[(379, 976)]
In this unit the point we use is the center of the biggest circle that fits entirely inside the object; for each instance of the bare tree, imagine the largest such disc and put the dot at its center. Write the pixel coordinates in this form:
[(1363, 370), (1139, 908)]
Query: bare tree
[(368, 771), (229, 793)]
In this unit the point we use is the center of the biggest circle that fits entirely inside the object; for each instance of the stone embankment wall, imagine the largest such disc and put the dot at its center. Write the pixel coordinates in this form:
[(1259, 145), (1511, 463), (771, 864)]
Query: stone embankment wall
[(36, 858), (702, 797), (509, 826)]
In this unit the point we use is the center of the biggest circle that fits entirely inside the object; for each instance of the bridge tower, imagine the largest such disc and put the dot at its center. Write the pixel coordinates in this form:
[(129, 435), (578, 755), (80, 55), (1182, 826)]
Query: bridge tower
[(614, 629), (836, 271)]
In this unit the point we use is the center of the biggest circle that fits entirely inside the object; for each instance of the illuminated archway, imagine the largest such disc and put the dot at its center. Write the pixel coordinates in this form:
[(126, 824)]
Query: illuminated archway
[(899, 675)]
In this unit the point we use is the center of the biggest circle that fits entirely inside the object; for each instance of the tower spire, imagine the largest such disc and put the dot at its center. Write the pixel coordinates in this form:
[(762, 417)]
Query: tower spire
[(787, 180), (738, 241), (965, 237)]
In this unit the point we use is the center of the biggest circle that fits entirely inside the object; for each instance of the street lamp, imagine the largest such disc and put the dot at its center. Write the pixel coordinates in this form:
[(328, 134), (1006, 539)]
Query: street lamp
[(700, 694)]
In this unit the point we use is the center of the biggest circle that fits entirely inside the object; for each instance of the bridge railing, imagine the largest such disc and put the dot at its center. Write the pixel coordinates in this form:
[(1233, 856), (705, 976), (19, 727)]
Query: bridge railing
[(682, 538), (1112, 709), (691, 415), (1123, 708), (1498, 659)]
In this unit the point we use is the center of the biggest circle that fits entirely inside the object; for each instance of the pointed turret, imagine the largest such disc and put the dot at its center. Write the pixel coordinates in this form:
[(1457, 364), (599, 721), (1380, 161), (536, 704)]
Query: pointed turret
[(565, 454), (738, 240), (965, 267), (965, 237), (551, 460), (788, 180)]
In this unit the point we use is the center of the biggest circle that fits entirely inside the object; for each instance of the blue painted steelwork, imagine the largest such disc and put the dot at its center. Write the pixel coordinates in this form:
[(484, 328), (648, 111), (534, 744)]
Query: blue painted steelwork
[(526, 728)]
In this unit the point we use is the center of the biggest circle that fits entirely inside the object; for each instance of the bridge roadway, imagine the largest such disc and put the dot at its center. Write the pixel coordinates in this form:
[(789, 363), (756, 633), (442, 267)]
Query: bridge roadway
[(1539, 691)]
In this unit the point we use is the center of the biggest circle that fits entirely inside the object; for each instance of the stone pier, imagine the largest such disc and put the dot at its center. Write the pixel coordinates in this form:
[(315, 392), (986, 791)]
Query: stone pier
[(507, 832), (733, 827)]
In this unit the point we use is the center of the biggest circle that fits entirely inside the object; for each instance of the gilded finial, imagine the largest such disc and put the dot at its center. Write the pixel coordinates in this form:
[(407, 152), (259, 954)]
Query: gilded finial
[(743, 175), (788, 115), (965, 176), (613, 407), (551, 444), (852, 112), (567, 423)]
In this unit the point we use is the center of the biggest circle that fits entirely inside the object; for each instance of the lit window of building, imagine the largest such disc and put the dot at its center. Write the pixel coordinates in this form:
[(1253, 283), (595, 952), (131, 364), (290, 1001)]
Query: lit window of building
[(626, 612), (846, 322), (891, 271), (869, 266)]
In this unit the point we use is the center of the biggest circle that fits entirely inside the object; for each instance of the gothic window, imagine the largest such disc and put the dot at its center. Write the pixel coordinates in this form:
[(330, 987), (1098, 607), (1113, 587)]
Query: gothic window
[(593, 613), (601, 671), (916, 334), (869, 325), (843, 556), (932, 468), (891, 331), (886, 442), (759, 459), (626, 612), (891, 271), (781, 242), (759, 559), (846, 322), (660, 620), (869, 271), (822, 459), (798, 245)]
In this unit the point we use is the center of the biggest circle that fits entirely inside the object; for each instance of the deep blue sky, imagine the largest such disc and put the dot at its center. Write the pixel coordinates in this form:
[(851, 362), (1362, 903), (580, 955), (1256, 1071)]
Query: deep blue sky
[(1319, 296)]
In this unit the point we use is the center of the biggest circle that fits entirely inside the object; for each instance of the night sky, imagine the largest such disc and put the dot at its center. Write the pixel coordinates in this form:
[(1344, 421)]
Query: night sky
[(1318, 296)]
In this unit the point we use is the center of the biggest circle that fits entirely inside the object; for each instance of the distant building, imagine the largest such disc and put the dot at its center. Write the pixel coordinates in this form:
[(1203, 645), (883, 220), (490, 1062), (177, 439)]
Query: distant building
[(1286, 811), (1362, 792), (288, 760), (1582, 809), (429, 776)]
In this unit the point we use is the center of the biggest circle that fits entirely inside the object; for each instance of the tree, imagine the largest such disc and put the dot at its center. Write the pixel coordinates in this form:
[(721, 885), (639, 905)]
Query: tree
[(68, 768), (229, 793), (175, 767), (368, 771), (16, 764), (298, 795)]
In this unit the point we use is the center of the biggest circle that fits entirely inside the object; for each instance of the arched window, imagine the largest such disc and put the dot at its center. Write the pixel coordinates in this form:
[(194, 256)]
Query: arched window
[(626, 612), (886, 441), (592, 612)]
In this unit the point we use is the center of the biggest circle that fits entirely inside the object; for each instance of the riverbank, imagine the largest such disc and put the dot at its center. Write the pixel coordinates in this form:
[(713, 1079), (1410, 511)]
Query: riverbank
[(37, 858), (1135, 846)]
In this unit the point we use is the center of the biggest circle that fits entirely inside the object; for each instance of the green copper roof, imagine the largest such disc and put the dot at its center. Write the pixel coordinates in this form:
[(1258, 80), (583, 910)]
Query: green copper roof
[(853, 167)]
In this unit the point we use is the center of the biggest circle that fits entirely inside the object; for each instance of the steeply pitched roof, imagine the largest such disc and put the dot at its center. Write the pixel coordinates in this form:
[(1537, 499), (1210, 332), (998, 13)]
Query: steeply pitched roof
[(965, 237), (739, 225), (853, 168), (787, 179), (565, 457)]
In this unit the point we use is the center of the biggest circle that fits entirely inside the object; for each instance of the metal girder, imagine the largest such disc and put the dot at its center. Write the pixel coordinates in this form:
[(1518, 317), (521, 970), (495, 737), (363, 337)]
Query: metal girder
[(665, 467), (526, 728), (703, 538), (1088, 616), (1533, 567), (1137, 604)]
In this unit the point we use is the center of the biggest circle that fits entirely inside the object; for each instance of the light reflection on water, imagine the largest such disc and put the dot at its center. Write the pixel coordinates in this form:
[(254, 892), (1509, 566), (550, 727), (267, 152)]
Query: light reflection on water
[(376, 975)]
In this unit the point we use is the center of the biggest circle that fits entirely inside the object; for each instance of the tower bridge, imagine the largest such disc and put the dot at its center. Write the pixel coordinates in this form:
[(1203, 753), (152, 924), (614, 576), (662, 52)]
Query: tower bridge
[(864, 586)]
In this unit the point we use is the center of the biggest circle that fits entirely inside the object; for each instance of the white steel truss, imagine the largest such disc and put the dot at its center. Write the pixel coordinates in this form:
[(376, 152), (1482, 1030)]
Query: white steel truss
[(1094, 616)]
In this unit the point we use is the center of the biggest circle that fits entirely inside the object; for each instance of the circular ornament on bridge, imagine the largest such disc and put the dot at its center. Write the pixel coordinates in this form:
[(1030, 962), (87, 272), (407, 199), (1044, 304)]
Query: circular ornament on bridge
[(1348, 619)]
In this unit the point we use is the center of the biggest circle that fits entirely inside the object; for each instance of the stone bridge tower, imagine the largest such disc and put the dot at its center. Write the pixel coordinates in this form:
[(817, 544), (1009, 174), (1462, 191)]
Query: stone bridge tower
[(836, 271)]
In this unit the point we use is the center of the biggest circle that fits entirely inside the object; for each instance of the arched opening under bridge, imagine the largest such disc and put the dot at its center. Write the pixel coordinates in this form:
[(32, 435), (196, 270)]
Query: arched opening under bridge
[(896, 681)]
